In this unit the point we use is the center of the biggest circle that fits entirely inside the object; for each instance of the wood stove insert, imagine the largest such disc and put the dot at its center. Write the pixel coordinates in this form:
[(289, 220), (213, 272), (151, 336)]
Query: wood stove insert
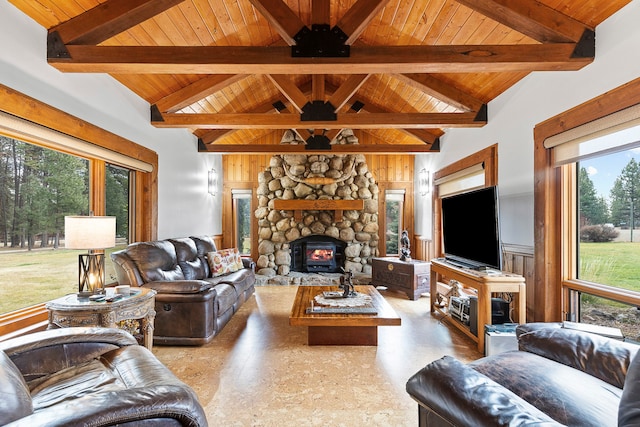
[(315, 254)]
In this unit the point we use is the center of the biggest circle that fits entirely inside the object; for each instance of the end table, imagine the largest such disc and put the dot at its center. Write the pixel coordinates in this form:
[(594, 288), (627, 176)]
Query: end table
[(68, 311)]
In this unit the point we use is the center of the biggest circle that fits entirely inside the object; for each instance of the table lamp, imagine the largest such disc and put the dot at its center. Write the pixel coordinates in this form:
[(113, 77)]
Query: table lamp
[(91, 233)]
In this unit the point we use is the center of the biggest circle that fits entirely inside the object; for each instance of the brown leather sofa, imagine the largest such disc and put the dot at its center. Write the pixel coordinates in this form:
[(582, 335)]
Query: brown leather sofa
[(90, 376), (558, 377), (191, 306)]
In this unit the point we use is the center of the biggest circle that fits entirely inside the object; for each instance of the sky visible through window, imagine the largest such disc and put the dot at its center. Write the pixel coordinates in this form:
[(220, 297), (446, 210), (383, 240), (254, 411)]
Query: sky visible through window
[(604, 170)]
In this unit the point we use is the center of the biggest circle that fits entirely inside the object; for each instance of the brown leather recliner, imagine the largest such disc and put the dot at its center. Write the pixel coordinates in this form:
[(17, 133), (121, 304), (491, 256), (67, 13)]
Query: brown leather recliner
[(191, 306), (90, 376), (557, 377)]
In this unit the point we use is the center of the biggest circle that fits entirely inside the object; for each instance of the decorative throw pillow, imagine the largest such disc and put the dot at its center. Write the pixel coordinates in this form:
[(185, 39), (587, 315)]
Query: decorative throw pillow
[(224, 261)]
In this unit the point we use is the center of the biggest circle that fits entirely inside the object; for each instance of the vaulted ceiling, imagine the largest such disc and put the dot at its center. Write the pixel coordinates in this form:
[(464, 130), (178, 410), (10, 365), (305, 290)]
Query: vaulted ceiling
[(237, 73)]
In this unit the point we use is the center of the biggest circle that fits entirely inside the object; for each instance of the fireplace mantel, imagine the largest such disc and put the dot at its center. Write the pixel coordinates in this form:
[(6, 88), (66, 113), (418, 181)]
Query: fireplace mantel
[(318, 205)]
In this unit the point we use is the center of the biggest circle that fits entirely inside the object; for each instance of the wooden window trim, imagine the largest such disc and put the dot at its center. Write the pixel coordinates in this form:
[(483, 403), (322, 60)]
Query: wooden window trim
[(548, 192), (146, 191)]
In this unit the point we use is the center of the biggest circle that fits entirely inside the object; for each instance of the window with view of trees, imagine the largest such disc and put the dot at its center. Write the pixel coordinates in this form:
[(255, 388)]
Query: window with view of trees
[(608, 243), (242, 220), (38, 188), (394, 213)]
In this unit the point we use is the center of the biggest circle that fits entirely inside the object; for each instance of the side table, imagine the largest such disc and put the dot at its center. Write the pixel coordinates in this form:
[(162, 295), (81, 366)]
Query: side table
[(68, 311)]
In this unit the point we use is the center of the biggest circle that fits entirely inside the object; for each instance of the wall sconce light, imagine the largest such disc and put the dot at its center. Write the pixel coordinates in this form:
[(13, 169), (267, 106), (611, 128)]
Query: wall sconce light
[(213, 182), (90, 232), (423, 182)]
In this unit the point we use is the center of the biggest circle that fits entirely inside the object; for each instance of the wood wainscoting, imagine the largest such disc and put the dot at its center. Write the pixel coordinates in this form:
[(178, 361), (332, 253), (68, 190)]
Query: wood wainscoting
[(519, 259)]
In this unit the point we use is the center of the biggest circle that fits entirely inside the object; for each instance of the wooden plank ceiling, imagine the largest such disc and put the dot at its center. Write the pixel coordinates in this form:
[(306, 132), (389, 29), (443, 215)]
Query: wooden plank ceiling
[(240, 72)]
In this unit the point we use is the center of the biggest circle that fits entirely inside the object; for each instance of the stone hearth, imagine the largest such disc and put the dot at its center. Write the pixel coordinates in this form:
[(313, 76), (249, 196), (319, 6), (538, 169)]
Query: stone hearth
[(322, 178)]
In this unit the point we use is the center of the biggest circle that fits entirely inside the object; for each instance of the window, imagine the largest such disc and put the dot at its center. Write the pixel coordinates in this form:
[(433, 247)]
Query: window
[(118, 184), (607, 241), (394, 214), (61, 132), (242, 220), (39, 187), (587, 178)]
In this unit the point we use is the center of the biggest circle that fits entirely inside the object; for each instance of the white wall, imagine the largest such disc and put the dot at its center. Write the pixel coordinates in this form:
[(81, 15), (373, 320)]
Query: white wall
[(514, 114), (184, 205)]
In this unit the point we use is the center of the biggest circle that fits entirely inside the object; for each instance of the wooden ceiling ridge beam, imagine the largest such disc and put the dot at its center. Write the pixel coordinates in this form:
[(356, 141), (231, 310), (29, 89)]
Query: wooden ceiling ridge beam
[(196, 91), (108, 19), (278, 60), (302, 149), (441, 90), (293, 121), (531, 18)]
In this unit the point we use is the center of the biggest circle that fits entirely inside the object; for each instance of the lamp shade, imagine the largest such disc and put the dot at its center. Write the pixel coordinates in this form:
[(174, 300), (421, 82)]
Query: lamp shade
[(89, 232)]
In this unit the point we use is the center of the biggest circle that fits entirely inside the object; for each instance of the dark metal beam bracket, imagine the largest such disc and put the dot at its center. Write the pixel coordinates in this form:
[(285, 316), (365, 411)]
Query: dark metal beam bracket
[(318, 111), (321, 41), (56, 47)]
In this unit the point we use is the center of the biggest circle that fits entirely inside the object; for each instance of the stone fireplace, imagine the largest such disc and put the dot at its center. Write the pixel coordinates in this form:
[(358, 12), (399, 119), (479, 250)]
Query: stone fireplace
[(304, 198)]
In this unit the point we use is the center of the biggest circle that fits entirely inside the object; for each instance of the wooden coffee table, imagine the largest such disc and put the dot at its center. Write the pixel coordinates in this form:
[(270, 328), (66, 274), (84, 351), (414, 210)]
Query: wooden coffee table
[(341, 328)]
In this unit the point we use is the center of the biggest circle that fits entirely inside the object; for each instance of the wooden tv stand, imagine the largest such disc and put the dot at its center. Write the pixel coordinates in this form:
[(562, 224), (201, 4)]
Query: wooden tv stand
[(485, 284)]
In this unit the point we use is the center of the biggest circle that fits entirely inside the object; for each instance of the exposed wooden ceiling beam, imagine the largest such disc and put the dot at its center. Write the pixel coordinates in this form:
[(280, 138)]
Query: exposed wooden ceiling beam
[(318, 85), (278, 60), (292, 121), (347, 89), (281, 17), (531, 18), (354, 22), (286, 86), (300, 149), (426, 135), (196, 91), (320, 12), (437, 88), (108, 19)]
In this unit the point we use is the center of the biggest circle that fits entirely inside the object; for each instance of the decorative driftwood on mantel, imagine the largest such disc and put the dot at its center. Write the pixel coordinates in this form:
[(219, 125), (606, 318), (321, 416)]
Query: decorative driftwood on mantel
[(318, 205)]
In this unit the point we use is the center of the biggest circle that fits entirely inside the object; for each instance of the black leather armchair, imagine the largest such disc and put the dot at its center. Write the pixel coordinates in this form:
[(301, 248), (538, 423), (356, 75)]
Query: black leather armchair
[(90, 376)]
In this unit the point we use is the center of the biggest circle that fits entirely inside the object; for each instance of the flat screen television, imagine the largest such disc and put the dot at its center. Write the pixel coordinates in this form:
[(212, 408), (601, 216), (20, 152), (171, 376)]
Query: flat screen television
[(470, 229)]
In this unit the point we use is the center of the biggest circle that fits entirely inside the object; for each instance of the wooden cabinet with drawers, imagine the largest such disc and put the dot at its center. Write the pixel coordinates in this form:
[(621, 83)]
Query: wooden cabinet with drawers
[(410, 277)]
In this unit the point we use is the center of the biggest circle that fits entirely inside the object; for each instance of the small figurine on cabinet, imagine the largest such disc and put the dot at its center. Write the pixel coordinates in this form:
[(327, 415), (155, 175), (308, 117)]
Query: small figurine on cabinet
[(405, 251)]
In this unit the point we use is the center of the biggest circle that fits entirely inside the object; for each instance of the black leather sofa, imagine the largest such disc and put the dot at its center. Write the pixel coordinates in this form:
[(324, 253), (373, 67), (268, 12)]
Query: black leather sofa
[(191, 306), (557, 377), (90, 377)]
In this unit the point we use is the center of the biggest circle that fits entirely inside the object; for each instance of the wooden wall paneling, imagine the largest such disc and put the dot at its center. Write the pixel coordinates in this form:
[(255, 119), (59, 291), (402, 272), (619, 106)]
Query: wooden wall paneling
[(240, 172), (421, 248), (520, 260)]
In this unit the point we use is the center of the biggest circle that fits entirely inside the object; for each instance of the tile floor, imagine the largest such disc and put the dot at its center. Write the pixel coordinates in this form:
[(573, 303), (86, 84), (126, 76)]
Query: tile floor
[(259, 371)]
